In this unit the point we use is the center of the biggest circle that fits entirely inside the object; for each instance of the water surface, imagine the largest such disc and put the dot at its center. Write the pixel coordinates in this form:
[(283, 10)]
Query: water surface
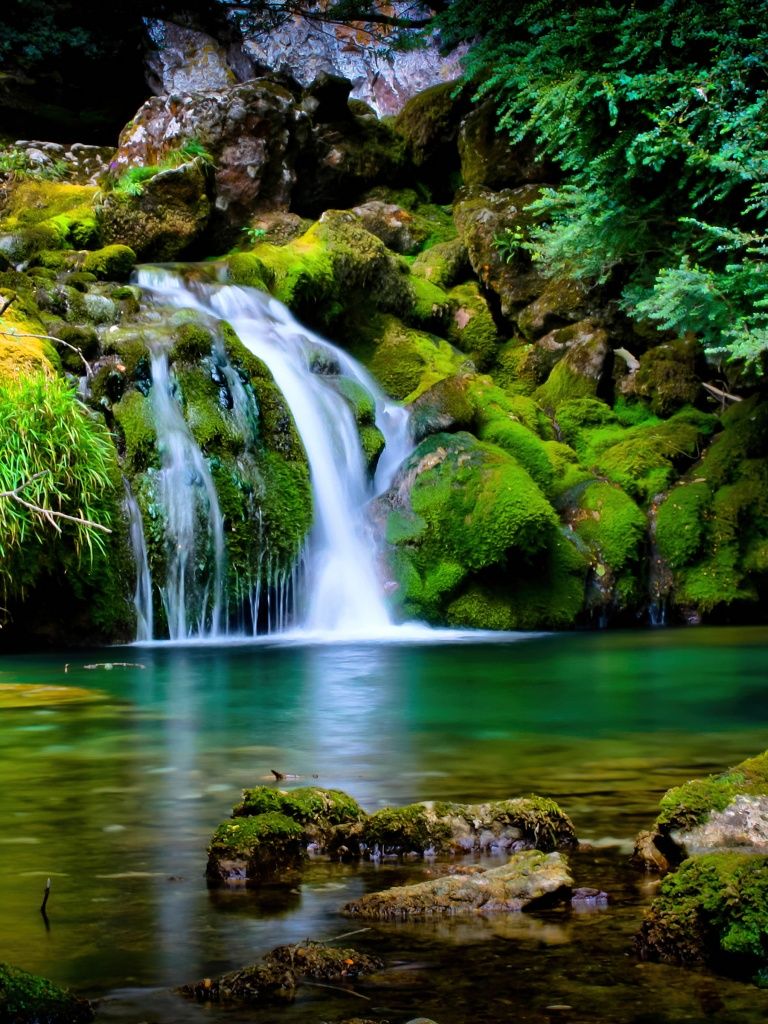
[(115, 800)]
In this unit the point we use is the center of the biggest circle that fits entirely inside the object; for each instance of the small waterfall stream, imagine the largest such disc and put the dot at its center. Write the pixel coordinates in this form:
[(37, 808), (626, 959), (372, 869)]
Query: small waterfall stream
[(337, 589)]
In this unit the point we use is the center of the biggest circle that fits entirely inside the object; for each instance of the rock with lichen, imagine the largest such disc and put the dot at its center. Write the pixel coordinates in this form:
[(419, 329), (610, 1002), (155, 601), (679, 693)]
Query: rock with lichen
[(530, 879)]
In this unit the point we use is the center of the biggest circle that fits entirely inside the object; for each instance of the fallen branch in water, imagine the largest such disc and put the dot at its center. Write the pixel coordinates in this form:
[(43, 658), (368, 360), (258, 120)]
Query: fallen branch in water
[(335, 988)]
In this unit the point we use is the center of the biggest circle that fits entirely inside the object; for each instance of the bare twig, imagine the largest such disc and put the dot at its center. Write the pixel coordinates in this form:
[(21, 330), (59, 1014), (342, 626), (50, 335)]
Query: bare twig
[(49, 514), (335, 988), (345, 935), (723, 395), (56, 341), (6, 303)]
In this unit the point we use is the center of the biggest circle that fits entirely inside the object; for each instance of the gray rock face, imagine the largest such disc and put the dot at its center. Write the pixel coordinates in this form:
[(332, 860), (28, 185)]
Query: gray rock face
[(529, 878), (85, 165), (742, 826), (188, 61)]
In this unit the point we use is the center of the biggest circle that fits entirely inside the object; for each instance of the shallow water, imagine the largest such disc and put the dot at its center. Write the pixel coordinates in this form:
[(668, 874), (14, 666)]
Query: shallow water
[(115, 800)]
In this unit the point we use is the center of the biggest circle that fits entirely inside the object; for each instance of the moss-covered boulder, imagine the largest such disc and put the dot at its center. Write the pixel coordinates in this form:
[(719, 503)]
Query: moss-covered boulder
[(562, 302), (713, 910), (399, 229), (256, 848), (725, 811), (471, 327), (322, 962), (48, 215), (529, 880), (463, 511), (28, 999), (164, 219), (429, 123), (258, 984), (579, 373), (444, 264), (318, 810), (668, 376)]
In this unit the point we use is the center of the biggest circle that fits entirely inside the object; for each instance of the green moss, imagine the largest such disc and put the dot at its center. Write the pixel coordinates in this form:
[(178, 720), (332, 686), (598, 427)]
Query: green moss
[(27, 999), (192, 341), (713, 909), (113, 262), (680, 523), (518, 440), (518, 368), (686, 806), (472, 327), (360, 401), (210, 426), (611, 525), (247, 269), (373, 443), (667, 376), (133, 416), (545, 591), (410, 829), (577, 374), (64, 211), (246, 837), (307, 804)]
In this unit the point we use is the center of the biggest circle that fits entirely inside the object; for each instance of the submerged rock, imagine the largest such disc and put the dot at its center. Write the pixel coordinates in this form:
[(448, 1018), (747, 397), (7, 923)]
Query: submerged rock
[(529, 879), (713, 910), (27, 999), (325, 963), (727, 812)]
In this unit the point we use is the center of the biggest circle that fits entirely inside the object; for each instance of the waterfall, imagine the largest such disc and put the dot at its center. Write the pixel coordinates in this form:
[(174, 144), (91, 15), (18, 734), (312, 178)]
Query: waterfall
[(339, 577), (194, 526), (142, 596)]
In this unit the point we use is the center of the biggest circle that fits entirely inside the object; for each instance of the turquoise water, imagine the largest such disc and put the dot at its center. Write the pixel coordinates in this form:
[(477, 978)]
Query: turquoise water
[(115, 800)]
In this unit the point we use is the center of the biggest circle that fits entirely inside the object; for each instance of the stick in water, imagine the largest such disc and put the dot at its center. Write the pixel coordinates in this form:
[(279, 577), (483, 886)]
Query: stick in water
[(46, 894)]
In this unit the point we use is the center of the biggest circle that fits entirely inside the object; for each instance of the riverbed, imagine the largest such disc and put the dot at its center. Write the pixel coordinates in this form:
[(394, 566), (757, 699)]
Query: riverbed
[(115, 798)]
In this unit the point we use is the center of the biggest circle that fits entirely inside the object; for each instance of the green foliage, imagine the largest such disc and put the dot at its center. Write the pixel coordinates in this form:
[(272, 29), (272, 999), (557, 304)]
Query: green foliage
[(28, 999), (17, 165), (62, 460), (657, 113), (132, 180)]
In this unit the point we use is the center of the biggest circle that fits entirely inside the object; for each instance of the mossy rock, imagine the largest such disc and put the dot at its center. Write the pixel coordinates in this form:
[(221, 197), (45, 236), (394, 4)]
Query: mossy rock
[(258, 848), (360, 401), (681, 525), (404, 361), (472, 328), (112, 263), (133, 416), (443, 264), (578, 374), (308, 805), (690, 806), (610, 524), (668, 377), (28, 999), (544, 591), (397, 831), (459, 506), (64, 212), (713, 910), (431, 307)]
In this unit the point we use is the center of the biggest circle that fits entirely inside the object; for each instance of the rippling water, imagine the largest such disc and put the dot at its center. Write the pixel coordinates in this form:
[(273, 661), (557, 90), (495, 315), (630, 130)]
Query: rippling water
[(115, 800)]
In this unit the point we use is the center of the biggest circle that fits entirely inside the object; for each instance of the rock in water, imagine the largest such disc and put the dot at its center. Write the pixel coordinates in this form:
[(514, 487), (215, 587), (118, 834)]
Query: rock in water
[(529, 879), (27, 999)]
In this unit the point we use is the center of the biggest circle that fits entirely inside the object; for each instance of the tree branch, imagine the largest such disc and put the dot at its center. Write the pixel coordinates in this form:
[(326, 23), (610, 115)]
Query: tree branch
[(50, 515), (57, 341)]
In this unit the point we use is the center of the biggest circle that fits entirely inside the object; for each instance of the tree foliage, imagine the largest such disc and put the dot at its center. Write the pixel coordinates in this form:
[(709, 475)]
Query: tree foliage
[(658, 114)]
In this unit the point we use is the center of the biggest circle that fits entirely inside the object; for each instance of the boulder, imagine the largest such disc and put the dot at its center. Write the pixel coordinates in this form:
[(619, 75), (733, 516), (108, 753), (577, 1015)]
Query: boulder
[(580, 372), (429, 122), (726, 812), (443, 264), (484, 218), (397, 228), (164, 219), (529, 880), (251, 133), (713, 910), (561, 302), (489, 158)]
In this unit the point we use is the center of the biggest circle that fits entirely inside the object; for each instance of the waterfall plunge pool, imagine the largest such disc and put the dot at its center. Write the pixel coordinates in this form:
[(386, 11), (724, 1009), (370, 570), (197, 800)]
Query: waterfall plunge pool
[(115, 800)]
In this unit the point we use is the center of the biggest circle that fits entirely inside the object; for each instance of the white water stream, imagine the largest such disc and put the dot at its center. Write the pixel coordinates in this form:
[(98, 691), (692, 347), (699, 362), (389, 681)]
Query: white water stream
[(343, 591)]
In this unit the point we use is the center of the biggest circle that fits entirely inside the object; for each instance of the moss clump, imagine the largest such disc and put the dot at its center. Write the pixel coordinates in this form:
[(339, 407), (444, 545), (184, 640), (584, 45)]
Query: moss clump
[(610, 524), (667, 377), (578, 373), (27, 999), (133, 416), (472, 328), (686, 806), (306, 805), (713, 910), (65, 212), (373, 443), (402, 830), (112, 263), (359, 400), (431, 306), (247, 269), (680, 523), (192, 341)]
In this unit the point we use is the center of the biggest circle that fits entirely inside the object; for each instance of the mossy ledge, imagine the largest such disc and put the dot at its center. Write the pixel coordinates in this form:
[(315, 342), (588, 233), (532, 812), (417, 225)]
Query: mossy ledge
[(27, 999)]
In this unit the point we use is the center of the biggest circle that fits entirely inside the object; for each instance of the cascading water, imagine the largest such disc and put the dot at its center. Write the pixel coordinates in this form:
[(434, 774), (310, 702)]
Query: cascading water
[(193, 518), (342, 591), (142, 597)]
